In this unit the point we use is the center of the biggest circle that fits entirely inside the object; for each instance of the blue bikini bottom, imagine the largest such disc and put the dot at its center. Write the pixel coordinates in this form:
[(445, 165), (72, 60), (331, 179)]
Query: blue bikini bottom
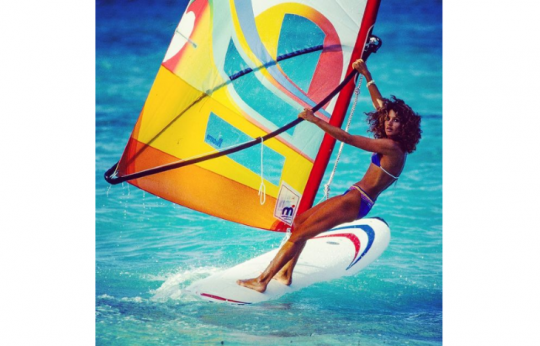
[(366, 202)]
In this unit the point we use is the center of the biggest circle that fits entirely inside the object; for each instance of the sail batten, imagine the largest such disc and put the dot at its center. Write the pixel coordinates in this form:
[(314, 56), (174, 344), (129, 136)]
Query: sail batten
[(234, 78)]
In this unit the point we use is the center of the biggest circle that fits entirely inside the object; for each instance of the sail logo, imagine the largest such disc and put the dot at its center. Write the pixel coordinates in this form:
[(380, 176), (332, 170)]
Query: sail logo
[(286, 204), (288, 212), (216, 142)]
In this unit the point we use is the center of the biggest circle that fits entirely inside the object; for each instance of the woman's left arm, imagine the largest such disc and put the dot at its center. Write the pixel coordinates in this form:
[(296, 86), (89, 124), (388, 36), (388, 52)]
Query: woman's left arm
[(383, 145)]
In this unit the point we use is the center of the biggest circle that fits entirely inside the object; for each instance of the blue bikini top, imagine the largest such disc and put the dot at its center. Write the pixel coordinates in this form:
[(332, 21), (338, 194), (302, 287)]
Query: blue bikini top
[(376, 160)]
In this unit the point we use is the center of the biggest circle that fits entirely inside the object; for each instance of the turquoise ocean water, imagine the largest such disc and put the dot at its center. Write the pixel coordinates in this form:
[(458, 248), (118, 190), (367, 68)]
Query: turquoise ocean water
[(148, 250)]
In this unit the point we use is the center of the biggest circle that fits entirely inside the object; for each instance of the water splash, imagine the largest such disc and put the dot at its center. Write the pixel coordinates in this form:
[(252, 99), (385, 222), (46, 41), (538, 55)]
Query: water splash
[(175, 283)]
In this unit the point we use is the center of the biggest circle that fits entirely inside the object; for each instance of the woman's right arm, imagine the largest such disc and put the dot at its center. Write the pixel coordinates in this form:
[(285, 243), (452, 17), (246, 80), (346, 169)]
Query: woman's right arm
[(381, 145), (376, 97)]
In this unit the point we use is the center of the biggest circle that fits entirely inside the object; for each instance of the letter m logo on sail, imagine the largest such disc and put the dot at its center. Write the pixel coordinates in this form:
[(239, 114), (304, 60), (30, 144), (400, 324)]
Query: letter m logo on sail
[(286, 204), (288, 211)]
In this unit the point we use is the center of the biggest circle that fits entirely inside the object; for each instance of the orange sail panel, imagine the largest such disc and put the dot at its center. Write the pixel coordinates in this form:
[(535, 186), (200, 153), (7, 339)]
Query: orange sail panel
[(235, 71)]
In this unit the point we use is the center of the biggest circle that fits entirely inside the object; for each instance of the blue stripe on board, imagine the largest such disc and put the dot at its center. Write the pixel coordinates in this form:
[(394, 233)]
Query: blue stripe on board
[(371, 238)]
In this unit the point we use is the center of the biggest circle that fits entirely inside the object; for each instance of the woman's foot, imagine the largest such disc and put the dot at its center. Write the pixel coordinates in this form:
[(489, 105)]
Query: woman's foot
[(283, 279), (283, 276), (253, 284)]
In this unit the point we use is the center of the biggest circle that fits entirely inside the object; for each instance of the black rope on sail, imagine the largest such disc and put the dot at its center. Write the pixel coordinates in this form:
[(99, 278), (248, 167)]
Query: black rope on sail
[(372, 46), (232, 78)]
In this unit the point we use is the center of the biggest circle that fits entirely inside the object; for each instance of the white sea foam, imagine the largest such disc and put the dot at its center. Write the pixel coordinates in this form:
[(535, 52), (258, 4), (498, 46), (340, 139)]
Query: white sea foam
[(105, 296), (175, 283), (132, 299)]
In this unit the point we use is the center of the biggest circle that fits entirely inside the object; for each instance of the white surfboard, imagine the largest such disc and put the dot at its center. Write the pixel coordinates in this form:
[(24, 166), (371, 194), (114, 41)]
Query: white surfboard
[(341, 251)]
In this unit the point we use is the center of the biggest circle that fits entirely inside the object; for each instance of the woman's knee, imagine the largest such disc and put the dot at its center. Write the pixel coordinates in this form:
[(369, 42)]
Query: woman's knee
[(297, 223), (298, 237)]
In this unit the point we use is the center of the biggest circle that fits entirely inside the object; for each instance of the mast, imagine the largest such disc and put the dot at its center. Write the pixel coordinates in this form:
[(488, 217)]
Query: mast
[(342, 104)]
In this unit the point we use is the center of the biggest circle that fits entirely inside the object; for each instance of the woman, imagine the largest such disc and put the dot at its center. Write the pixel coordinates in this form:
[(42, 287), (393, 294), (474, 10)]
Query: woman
[(396, 128)]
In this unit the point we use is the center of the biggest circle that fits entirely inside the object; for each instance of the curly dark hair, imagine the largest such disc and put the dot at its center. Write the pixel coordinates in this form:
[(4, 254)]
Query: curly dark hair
[(410, 133)]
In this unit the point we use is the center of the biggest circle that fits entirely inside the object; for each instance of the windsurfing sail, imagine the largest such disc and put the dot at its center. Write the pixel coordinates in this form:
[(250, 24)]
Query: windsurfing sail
[(220, 120)]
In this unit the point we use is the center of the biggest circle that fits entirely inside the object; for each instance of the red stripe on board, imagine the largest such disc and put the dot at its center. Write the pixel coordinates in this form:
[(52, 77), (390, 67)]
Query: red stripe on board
[(223, 299), (349, 236)]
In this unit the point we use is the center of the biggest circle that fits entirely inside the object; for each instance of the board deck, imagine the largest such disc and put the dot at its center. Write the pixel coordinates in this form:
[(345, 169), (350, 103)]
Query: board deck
[(341, 251)]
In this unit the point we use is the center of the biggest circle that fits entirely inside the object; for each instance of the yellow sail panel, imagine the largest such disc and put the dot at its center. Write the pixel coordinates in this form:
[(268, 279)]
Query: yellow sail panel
[(205, 191), (189, 122)]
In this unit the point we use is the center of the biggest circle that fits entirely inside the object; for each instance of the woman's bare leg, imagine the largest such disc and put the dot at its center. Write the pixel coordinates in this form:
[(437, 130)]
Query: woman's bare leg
[(331, 213), (284, 276)]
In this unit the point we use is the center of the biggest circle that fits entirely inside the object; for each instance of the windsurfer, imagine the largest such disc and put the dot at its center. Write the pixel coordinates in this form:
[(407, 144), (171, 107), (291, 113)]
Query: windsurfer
[(396, 128)]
